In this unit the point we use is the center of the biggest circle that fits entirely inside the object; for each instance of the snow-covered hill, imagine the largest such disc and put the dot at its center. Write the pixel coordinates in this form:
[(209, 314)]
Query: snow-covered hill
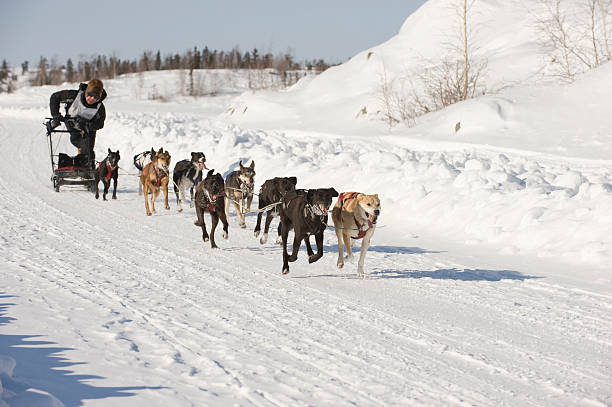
[(488, 276)]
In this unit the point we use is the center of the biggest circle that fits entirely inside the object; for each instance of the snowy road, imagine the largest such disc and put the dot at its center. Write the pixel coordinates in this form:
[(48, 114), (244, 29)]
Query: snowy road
[(101, 304)]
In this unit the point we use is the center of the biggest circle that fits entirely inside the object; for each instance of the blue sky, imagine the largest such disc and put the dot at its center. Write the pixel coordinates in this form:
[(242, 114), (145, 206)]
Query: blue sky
[(333, 30)]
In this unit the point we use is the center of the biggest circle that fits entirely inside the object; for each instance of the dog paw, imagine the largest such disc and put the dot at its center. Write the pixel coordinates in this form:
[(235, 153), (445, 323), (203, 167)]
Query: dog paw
[(205, 238), (286, 271), (167, 207), (340, 265), (97, 196), (148, 213), (292, 258), (256, 233), (242, 225), (313, 258), (114, 197), (264, 238), (180, 209), (191, 205), (224, 235), (349, 257), (279, 240)]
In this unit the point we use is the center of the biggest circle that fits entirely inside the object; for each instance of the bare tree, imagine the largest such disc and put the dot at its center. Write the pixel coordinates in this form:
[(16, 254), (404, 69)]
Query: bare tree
[(455, 77), (577, 41)]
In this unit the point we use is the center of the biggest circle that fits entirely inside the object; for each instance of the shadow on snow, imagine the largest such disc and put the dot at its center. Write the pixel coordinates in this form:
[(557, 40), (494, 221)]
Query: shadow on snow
[(47, 370)]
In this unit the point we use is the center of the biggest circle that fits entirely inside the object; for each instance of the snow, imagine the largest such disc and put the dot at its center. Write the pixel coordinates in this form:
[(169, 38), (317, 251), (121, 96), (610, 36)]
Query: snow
[(488, 278)]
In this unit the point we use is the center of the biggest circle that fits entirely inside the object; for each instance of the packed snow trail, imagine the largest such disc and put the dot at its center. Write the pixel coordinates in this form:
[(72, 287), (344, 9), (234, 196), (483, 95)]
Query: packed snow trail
[(148, 314)]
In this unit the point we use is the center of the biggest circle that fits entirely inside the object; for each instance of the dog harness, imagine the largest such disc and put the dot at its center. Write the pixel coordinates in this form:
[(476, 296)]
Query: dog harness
[(190, 176), (350, 195), (109, 169), (159, 179), (213, 199)]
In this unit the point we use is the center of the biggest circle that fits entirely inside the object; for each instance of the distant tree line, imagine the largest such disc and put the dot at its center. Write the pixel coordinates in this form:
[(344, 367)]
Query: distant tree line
[(51, 72)]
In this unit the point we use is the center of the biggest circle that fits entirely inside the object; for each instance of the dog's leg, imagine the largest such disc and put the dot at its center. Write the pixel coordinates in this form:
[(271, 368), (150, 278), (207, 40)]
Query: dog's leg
[(176, 185), (178, 199), (308, 247), (284, 235), (202, 224), (264, 237), (278, 238), (258, 224), (155, 193), (115, 177), (165, 187), (191, 203), (238, 209), (319, 240), (225, 233), (215, 220), (145, 191), (106, 187), (249, 201), (364, 248), (200, 216), (340, 238), (349, 246), (297, 241), (96, 181)]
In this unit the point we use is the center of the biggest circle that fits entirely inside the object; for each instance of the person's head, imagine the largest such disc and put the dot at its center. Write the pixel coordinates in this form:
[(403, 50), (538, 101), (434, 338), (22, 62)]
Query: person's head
[(93, 93)]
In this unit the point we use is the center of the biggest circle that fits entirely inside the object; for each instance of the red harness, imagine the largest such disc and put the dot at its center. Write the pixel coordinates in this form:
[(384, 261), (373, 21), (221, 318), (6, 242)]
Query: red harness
[(211, 204), (350, 195), (109, 170), (159, 179)]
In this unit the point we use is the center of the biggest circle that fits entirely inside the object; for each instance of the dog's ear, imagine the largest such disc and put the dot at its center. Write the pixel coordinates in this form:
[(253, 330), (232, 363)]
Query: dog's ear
[(193, 155), (333, 192), (161, 150), (252, 164), (241, 166), (293, 180), (109, 151), (152, 152), (210, 173), (309, 195)]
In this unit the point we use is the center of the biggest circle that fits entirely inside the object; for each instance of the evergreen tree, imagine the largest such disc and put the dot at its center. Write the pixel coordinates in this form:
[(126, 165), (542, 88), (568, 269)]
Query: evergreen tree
[(206, 57), (69, 71), (24, 67), (196, 58), (158, 63)]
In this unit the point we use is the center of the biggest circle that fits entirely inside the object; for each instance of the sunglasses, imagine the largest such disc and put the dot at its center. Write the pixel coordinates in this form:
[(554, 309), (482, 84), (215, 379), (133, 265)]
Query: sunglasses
[(93, 95)]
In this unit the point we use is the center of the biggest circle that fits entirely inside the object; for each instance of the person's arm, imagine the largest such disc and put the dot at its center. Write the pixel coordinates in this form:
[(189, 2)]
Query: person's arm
[(59, 97), (97, 122)]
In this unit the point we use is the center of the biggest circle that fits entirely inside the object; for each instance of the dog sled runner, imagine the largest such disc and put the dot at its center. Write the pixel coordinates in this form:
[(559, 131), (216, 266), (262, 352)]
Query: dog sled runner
[(66, 169)]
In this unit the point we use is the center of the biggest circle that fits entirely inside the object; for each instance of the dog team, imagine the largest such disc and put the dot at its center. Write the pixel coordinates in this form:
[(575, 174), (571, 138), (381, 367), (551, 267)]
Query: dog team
[(303, 210)]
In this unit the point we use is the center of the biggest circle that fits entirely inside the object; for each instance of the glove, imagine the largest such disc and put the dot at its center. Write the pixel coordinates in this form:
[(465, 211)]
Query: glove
[(53, 123)]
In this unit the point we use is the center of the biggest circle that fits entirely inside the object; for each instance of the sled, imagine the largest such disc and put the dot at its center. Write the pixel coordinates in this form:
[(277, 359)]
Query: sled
[(66, 169)]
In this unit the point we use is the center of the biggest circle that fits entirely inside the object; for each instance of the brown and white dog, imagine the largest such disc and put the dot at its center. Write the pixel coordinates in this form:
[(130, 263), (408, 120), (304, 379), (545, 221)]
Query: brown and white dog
[(355, 215), (155, 176)]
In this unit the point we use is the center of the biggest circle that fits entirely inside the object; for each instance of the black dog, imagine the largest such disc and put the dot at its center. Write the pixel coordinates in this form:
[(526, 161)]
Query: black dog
[(108, 169), (210, 197), (305, 211), (187, 174), (271, 192)]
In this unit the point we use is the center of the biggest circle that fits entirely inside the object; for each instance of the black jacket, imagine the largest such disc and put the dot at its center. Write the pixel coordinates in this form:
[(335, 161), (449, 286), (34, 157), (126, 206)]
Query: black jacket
[(96, 123)]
